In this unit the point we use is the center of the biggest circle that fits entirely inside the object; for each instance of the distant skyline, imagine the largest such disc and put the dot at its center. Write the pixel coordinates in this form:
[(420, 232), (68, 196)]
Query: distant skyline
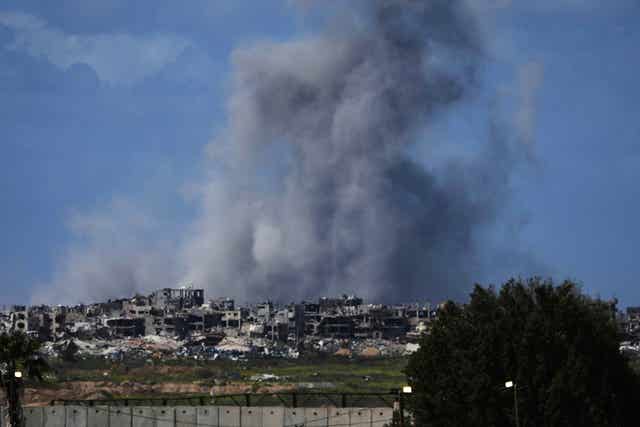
[(110, 112)]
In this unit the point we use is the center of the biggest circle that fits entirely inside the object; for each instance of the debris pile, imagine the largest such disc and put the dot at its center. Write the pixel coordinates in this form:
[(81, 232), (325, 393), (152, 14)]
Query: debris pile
[(178, 323)]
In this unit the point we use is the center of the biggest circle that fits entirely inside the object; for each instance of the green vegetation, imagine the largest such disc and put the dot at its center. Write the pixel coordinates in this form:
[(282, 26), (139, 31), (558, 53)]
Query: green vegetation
[(559, 347), (328, 373), (345, 374)]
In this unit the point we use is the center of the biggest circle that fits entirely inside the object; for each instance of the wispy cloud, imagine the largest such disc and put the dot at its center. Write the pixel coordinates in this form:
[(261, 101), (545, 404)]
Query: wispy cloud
[(117, 58)]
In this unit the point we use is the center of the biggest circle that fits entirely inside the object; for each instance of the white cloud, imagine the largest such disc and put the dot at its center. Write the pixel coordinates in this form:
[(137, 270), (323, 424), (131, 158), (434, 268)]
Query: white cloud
[(117, 58)]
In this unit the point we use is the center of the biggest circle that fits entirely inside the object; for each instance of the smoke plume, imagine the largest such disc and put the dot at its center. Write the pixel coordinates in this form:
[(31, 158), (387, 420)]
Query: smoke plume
[(312, 189)]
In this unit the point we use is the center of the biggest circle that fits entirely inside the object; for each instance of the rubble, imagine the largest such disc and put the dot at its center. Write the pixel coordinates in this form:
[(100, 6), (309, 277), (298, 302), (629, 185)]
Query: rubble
[(148, 346), (178, 323), (343, 352), (265, 377), (235, 345), (628, 347), (370, 352), (411, 348)]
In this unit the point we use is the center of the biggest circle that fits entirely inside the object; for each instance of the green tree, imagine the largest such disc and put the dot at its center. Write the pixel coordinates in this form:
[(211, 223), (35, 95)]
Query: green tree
[(560, 348), (18, 353)]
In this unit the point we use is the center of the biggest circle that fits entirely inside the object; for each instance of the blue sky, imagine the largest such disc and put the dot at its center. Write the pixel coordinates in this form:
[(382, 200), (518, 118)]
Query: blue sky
[(107, 107)]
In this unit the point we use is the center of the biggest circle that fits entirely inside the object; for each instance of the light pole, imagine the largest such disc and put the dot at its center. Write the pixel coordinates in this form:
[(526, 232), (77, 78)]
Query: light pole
[(15, 386), (511, 384), (398, 405)]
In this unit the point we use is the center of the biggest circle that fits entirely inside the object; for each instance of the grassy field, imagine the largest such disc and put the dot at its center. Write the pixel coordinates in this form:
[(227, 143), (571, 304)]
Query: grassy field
[(326, 373)]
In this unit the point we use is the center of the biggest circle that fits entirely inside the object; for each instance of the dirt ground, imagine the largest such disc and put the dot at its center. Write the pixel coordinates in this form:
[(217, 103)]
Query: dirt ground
[(78, 390)]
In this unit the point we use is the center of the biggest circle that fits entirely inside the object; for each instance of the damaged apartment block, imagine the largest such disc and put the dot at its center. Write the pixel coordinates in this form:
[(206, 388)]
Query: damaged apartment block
[(219, 328)]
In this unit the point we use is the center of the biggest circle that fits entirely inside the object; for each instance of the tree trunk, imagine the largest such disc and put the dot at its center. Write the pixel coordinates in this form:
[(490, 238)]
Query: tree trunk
[(15, 406)]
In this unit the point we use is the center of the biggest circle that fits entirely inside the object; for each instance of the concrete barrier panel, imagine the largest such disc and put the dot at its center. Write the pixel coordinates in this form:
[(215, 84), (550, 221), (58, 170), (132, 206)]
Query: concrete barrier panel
[(33, 417), (229, 416), (76, 416), (251, 416), (381, 417), (119, 416), (98, 416), (360, 417), (207, 416), (294, 417), (186, 416), (273, 416), (164, 416), (204, 416), (54, 416), (142, 416), (338, 417), (316, 417)]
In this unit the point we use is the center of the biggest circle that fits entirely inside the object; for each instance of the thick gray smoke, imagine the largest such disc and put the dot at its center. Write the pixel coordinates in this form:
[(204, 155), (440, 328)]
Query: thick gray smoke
[(312, 189), (352, 211)]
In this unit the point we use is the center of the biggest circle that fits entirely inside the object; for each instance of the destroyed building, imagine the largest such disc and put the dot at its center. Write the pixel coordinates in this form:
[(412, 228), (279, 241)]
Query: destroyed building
[(180, 323), (19, 319), (183, 314), (126, 327), (177, 299), (631, 323)]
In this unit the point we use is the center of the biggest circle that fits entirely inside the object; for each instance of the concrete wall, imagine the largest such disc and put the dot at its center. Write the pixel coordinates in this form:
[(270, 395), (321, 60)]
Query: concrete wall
[(229, 416), (208, 416), (98, 416), (317, 417), (294, 417), (273, 417), (360, 416), (186, 416), (381, 417), (34, 417), (203, 416), (338, 416), (76, 416), (53, 416), (142, 417), (163, 416)]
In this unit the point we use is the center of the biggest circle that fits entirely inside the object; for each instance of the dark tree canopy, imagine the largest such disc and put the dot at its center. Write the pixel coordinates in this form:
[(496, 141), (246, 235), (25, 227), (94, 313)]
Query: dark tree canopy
[(560, 347)]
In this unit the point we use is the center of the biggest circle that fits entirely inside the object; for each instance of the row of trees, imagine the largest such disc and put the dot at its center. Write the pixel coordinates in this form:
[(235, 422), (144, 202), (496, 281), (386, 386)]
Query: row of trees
[(558, 347)]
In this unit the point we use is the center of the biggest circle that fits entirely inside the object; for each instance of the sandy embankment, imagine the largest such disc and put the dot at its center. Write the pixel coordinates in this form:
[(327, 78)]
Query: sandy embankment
[(81, 390)]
